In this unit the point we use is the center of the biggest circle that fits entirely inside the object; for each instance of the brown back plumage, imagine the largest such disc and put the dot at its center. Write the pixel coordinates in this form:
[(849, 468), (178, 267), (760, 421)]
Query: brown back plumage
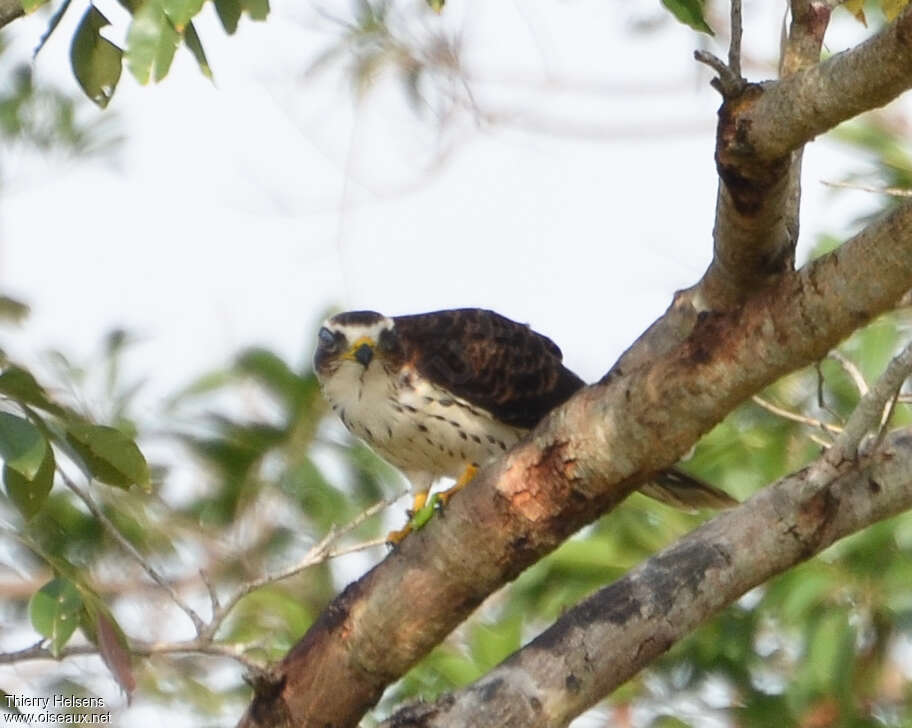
[(490, 361)]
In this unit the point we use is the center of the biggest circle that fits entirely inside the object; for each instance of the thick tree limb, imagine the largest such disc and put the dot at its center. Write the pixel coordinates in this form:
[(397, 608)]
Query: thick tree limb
[(605, 640), (582, 460), (756, 227)]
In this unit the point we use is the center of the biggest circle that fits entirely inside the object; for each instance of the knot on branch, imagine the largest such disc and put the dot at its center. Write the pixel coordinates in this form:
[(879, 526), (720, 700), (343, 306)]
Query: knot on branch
[(268, 708), (730, 83)]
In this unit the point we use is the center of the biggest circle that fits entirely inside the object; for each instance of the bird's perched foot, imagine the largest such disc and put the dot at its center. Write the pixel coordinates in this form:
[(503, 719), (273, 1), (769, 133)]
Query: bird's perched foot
[(394, 538), (466, 478)]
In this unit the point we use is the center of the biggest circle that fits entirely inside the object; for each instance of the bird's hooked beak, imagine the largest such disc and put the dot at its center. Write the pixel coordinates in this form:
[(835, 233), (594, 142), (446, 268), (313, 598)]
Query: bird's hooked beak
[(362, 351)]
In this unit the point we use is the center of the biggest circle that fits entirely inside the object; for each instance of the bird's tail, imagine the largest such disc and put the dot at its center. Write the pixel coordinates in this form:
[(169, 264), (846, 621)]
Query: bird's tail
[(678, 489)]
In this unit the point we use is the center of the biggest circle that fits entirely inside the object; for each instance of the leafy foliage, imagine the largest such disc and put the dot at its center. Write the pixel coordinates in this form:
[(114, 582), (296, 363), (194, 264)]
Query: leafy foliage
[(689, 12)]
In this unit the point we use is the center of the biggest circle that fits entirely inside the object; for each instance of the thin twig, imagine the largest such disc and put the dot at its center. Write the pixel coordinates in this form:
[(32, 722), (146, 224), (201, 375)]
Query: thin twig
[(891, 191), (795, 417), (821, 400), (131, 549), (853, 372), (869, 412), (885, 420), (734, 46), (39, 651), (317, 554)]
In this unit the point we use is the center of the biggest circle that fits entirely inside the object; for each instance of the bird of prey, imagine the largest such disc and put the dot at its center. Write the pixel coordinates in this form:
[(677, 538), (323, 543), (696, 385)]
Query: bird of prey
[(440, 394)]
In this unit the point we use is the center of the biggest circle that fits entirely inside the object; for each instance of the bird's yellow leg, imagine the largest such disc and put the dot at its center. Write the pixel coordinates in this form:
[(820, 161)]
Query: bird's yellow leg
[(463, 481), (395, 537)]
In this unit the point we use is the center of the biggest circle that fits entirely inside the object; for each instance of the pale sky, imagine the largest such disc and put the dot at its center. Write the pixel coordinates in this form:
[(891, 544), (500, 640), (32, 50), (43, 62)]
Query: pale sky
[(242, 210)]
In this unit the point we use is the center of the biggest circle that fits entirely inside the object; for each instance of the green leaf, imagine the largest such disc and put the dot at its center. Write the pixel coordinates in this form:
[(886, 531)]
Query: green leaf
[(29, 494), (256, 9), (100, 627), (229, 13), (112, 643), (180, 12), (689, 12), (30, 6), (96, 61), (19, 384), (436, 5), (12, 310), (22, 446), (151, 42), (54, 612), (195, 46), (109, 455)]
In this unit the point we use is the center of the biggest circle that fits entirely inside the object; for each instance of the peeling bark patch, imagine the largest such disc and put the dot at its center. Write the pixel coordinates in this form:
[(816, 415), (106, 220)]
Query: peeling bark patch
[(813, 520), (747, 179)]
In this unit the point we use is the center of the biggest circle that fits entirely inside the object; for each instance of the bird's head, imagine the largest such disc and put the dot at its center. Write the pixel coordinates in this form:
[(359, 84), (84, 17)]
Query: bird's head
[(354, 338)]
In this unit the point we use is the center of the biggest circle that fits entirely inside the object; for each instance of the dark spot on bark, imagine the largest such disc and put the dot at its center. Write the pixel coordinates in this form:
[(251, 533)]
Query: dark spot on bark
[(267, 707), (572, 683), (489, 689), (683, 569), (874, 486), (535, 704)]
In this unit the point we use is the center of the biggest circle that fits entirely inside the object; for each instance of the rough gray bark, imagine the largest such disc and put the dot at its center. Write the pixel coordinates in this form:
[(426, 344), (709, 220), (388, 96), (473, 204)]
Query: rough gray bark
[(609, 637)]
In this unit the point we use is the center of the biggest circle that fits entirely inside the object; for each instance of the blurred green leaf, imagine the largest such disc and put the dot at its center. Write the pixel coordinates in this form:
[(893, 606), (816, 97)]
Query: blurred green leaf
[(19, 384), (12, 310), (96, 61), (110, 456), (54, 612), (229, 13), (30, 6), (256, 9), (22, 446), (151, 42), (689, 12), (30, 494), (180, 12), (195, 46)]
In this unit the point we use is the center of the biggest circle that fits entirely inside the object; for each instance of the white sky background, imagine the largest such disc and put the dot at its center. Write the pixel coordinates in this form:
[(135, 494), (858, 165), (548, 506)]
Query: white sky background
[(242, 210), (238, 212)]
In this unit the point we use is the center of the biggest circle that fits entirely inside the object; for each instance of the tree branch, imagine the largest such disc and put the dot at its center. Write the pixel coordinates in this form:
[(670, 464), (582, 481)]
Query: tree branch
[(582, 460), (9, 11), (756, 227), (602, 642)]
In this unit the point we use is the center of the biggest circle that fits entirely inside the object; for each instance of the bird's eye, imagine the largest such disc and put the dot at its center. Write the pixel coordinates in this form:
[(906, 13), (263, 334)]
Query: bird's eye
[(386, 342), (326, 337)]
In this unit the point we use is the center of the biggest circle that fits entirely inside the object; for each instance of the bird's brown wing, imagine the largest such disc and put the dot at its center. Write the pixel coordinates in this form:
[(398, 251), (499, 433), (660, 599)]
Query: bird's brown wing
[(489, 361)]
